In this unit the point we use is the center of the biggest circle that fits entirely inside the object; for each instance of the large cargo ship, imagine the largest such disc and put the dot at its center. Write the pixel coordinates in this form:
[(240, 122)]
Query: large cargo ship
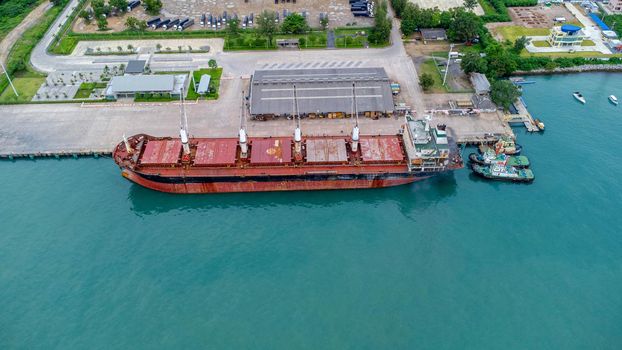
[(243, 164), (211, 165)]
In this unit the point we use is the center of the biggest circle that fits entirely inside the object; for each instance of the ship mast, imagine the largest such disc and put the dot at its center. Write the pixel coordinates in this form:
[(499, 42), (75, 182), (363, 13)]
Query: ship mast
[(297, 131), (183, 129), (242, 133), (355, 130)]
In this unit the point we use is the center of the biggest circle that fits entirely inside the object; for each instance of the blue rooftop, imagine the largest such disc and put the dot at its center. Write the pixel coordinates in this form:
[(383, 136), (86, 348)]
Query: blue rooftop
[(569, 28), (599, 22)]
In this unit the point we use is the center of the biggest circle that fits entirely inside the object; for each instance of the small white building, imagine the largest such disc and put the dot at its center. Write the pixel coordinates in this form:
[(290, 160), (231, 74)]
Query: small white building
[(566, 35), (132, 85)]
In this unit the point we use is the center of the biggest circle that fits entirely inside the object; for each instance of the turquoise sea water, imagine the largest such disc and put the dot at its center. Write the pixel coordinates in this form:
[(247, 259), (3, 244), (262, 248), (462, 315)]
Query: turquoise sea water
[(90, 261)]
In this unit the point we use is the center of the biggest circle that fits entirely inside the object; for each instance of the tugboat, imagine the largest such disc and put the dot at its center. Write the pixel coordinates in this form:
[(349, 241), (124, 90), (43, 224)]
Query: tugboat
[(503, 173), (613, 99), (577, 95), (504, 145), (490, 157)]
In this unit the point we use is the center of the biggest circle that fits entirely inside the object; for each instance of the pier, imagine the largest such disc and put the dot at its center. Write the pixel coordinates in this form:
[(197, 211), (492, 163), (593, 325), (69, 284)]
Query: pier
[(522, 117)]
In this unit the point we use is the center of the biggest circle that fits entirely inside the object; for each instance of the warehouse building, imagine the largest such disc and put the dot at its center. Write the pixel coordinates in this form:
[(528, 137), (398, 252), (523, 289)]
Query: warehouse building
[(321, 93), (133, 85)]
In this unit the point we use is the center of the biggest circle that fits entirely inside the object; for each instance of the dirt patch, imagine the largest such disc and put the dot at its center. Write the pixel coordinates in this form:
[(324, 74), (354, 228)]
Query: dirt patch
[(115, 23), (538, 16)]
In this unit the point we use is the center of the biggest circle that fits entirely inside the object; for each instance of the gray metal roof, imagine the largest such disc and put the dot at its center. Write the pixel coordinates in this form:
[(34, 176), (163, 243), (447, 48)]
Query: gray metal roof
[(142, 83), (204, 84), (433, 33), (135, 66), (320, 90), (480, 83)]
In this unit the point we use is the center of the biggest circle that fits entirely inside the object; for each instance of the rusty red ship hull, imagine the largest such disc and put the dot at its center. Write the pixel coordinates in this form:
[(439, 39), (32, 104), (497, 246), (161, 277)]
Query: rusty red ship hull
[(217, 165)]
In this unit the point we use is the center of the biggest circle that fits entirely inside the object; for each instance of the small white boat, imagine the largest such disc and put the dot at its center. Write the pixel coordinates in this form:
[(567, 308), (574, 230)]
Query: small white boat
[(577, 95), (613, 99)]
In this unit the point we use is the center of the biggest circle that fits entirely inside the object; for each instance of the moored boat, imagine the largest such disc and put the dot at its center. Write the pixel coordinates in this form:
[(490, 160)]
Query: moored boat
[(579, 97), (503, 173), (505, 145), (187, 164), (539, 124), (613, 99), (490, 157)]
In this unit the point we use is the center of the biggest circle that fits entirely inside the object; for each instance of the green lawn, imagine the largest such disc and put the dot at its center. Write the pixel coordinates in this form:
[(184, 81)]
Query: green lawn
[(26, 85), (541, 44), (512, 33), (429, 67), (86, 89), (214, 84)]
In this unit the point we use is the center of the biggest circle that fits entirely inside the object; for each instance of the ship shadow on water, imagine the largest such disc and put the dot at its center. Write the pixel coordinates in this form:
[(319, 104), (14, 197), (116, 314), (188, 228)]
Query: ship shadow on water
[(418, 195)]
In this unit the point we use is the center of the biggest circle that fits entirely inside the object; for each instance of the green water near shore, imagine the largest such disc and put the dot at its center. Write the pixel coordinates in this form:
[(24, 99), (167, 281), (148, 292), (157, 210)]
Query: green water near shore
[(90, 261)]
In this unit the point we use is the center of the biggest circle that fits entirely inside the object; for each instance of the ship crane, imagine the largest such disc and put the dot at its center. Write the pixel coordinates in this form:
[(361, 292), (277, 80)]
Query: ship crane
[(355, 130), (183, 130), (242, 133), (297, 131)]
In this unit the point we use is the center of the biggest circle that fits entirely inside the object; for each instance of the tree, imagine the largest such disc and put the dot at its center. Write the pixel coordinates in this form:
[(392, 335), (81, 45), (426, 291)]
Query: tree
[(233, 26), (102, 23), (503, 93), (266, 25), (399, 6), (212, 63), (409, 23), (100, 8), (56, 2), (470, 4), (465, 26), (153, 7), (120, 5), (473, 62), (500, 62), (134, 23), (324, 22), (86, 16), (381, 31), (520, 44), (295, 24), (142, 25), (426, 81), (131, 22)]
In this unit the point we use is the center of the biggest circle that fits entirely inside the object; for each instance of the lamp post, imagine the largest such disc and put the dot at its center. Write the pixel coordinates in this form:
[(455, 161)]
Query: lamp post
[(9, 78)]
